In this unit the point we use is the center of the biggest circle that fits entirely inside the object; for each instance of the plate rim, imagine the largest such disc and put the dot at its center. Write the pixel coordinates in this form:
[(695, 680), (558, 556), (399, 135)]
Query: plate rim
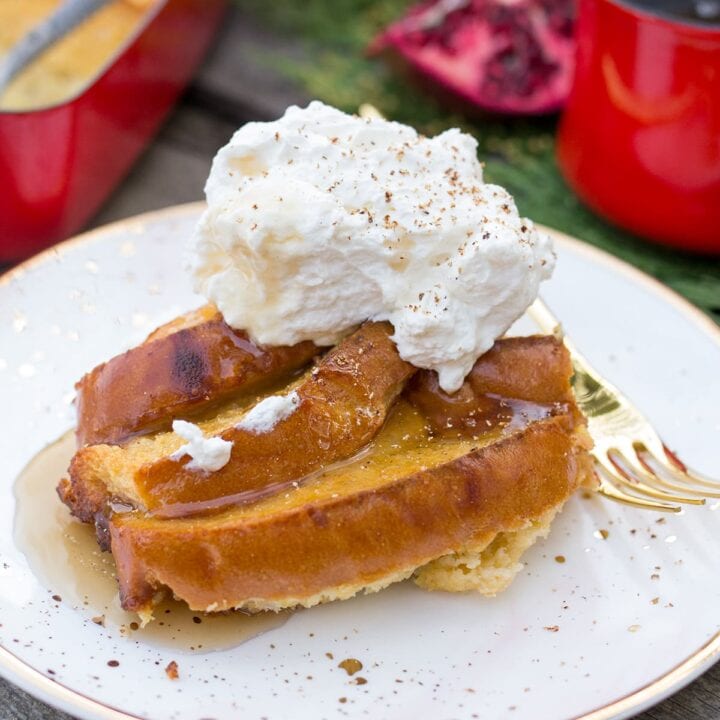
[(59, 696)]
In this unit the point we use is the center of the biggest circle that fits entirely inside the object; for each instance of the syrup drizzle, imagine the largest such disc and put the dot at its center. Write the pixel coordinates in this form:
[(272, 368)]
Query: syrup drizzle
[(508, 415), (64, 556)]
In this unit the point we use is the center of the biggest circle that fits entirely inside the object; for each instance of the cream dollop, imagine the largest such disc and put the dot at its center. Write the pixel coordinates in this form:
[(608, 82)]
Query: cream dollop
[(208, 454), (321, 220), (264, 416)]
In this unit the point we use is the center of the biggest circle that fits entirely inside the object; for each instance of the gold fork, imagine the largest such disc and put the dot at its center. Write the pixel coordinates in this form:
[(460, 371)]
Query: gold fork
[(632, 463)]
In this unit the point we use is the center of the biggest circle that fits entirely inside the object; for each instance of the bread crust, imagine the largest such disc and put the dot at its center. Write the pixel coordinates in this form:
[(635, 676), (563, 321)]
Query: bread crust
[(181, 368)]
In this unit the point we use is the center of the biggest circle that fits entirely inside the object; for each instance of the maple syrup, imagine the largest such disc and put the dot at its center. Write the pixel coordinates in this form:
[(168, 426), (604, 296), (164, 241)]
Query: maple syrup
[(65, 557)]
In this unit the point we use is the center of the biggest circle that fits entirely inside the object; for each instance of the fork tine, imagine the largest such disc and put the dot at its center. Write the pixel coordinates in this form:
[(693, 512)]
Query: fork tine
[(671, 463), (697, 477), (610, 491), (636, 481), (641, 450), (618, 427)]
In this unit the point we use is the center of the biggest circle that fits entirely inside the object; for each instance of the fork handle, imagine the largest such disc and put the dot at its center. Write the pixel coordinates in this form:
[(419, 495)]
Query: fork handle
[(543, 317), (595, 395), (546, 320)]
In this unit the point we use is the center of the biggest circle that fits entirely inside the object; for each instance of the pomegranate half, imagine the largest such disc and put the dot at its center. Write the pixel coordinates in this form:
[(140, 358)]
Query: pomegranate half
[(502, 56)]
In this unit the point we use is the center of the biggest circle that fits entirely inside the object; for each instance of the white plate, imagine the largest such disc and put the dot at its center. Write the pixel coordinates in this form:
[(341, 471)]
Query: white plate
[(425, 655)]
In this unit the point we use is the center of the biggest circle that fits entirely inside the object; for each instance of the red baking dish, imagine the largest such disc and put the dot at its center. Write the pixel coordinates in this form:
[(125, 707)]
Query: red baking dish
[(58, 164), (639, 140)]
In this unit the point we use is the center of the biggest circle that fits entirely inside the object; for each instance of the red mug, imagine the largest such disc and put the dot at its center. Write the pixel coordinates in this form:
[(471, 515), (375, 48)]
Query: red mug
[(639, 140)]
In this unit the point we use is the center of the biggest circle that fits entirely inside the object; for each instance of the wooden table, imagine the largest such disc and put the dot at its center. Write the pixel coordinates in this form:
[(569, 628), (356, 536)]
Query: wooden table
[(230, 89)]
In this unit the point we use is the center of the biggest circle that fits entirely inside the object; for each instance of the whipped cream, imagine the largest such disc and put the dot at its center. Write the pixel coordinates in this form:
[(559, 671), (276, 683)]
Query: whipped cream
[(208, 454), (269, 412), (321, 220)]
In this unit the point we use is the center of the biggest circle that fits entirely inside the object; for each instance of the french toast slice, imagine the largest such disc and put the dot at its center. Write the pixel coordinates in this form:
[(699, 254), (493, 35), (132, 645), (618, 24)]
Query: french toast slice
[(451, 491), (406, 502), (339, 407), (182, 367)]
